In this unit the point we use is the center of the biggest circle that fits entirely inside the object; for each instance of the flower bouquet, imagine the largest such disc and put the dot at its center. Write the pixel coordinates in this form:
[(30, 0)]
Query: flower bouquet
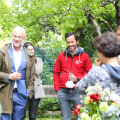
[(99, 104)]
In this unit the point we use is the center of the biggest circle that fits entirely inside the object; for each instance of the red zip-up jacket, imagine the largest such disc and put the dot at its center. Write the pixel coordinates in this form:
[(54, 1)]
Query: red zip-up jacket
[(79, 65)]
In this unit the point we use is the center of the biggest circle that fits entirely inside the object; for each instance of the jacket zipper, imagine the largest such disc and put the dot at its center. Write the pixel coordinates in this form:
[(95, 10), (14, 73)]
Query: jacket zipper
[(71, 65)]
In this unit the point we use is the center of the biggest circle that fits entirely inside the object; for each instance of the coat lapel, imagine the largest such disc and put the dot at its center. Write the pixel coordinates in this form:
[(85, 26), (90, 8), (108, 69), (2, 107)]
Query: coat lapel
[(8, 61)]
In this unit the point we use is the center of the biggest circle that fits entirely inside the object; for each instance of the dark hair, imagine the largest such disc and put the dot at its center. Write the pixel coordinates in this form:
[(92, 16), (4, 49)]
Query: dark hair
[(72, 33), (27, 44), (108, 44)]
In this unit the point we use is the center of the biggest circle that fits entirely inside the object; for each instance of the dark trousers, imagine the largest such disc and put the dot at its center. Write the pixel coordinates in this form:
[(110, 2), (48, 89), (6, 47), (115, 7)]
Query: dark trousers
[(33, 105)]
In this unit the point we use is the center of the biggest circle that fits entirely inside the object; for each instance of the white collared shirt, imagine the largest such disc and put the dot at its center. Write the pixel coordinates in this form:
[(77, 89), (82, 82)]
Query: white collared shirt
[(17, 60)]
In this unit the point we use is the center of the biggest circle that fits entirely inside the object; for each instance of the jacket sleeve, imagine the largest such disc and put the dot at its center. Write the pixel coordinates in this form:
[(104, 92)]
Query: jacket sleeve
[(38, 66), (88, 64), (88, 80), (56, 74), (32, 77), (3, 75)]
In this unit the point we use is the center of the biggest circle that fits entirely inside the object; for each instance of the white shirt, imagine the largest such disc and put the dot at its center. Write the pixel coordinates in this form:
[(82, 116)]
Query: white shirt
[(17, 60)]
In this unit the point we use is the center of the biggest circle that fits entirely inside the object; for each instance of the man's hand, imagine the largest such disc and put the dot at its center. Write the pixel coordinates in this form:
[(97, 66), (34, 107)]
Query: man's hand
[(98, 62), (72, 77), (15, 76)]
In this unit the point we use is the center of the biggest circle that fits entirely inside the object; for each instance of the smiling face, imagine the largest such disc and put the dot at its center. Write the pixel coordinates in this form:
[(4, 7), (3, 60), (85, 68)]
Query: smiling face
[(72, 44), (18, 36), (31, 50)]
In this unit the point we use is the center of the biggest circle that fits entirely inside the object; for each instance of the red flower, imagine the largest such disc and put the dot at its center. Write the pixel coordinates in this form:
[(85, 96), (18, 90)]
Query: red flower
[(90, 101), (95, 97), (76, 111), (78, 106)]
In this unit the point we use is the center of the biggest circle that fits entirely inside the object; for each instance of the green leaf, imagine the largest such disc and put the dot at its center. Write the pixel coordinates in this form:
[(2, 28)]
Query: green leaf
[(118, 3)]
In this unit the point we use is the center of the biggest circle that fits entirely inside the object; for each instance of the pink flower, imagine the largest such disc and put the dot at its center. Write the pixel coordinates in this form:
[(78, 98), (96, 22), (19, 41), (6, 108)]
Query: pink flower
[(78, 106), (115, 98)]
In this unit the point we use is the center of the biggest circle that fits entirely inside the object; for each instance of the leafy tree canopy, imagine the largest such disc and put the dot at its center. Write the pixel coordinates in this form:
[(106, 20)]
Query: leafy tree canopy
[(47, 21)]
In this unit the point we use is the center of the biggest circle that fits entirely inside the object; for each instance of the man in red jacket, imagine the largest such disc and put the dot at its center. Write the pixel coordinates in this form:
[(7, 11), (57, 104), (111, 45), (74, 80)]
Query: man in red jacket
[(73, 63)]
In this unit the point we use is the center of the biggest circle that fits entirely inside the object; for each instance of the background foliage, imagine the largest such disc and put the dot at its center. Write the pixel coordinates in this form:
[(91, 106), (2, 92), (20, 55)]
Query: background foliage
[(51, 104), (46, 21), (48, 104)]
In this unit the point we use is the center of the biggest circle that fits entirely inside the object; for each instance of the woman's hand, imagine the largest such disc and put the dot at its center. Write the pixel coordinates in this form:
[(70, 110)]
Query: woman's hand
[(98, 62)]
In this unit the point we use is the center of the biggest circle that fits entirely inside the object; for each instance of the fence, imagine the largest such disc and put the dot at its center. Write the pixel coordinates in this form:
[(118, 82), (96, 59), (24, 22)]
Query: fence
[(49, 57)]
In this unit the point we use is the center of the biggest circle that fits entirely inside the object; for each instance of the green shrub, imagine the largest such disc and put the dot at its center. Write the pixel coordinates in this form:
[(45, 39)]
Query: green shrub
[(47, 104), (51, 104)]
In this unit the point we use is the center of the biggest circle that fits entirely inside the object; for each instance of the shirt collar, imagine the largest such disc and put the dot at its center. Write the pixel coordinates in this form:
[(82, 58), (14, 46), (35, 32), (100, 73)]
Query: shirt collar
[(14, 49)]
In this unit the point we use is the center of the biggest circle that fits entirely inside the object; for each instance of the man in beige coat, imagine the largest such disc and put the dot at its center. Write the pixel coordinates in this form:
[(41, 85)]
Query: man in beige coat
[(17, 72)]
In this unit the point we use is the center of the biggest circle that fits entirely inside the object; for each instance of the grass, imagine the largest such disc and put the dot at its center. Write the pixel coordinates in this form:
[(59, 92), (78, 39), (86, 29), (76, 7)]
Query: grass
[(46, 119)]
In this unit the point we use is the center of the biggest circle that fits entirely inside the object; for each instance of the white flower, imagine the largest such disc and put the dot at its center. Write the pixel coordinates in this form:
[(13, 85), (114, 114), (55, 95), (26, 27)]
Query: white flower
[(107, 91), (94, 89), (59, 38), (85, 116), (89, 89), (98, 87), (112, 110), (114, 97)]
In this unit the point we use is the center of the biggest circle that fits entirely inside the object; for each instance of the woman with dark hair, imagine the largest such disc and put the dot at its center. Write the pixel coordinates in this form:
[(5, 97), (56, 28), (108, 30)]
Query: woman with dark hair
[(38, 87), (107, 70)]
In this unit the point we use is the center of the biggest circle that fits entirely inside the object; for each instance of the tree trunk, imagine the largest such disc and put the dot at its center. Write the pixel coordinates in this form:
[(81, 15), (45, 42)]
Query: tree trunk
[(117, 12), (97, 28)]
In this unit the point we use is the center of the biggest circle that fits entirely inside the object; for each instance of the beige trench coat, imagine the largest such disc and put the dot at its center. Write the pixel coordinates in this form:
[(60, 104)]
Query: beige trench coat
[(6, 92)]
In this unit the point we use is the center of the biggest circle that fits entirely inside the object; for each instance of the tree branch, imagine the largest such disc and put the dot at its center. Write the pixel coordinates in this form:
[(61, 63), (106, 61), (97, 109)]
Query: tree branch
[(97, 28), (107, 2), (108, 26), (64, 13), (105, 22), (57, 13), (44, 24), (95, 25)]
